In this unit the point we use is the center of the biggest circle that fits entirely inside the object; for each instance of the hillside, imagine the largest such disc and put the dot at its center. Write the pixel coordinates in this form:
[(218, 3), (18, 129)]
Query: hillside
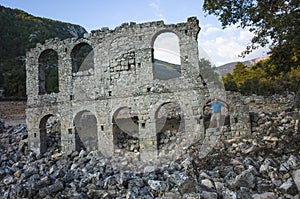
[(165, 70), (228, 68), (20, 31)]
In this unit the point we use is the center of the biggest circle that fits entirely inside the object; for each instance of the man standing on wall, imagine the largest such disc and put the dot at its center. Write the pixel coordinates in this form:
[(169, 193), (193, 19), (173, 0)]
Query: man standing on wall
[(216, 115)]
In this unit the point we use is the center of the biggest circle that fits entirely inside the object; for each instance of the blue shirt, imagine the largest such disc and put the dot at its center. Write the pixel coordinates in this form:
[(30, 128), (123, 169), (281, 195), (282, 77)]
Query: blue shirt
[(216, 106)]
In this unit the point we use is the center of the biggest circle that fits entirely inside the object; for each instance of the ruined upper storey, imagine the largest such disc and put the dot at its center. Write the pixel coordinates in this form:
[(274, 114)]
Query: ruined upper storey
[(120, 63)]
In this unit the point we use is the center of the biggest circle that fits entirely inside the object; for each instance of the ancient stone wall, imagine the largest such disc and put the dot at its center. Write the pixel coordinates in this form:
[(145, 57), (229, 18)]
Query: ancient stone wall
[(117, 74)]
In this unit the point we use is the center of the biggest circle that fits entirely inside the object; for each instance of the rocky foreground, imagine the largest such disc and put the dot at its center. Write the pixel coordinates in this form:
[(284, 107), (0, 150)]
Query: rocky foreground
[(263, 165)]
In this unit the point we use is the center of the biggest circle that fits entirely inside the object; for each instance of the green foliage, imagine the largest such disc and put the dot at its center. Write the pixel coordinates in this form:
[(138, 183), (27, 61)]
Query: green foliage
[(209, 74), (231, 86), (19, 32), (14, 79), (262, 79), (276, 21)]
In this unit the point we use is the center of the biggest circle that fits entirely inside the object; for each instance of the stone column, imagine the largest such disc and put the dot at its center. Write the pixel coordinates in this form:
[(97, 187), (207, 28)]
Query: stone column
[(148, 141), (32, 77), (34, 140), (68, 143), (33, 131), (105, 139)]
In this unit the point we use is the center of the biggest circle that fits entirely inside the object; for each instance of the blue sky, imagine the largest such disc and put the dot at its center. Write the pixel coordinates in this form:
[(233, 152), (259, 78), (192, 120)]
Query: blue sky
[(219, 45)]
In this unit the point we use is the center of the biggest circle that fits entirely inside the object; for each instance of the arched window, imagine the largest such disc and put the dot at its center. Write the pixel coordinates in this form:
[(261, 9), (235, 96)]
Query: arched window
[(125, 130), (82, 57), (166, 57), (50, 135), (224, 117), (48, 72), (86, 137), (169, 124)]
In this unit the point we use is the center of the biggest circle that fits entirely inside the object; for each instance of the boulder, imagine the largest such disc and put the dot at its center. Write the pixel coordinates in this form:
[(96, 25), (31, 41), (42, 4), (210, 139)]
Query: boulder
[(289, 187), (267, 195), (296, 178)]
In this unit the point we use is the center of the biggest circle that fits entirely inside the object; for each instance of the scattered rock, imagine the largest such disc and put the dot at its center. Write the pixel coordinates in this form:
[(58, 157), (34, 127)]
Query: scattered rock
[(262, 165), (296, 177)]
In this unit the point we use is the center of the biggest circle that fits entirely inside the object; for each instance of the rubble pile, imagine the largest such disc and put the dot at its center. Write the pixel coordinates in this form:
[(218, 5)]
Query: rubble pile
[(264, 164), (166, 138), (127, 142)]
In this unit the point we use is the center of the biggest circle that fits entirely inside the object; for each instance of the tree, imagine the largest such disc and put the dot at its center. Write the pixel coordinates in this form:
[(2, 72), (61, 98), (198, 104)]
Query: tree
[(273, 22), (209, 73), (239, 73)]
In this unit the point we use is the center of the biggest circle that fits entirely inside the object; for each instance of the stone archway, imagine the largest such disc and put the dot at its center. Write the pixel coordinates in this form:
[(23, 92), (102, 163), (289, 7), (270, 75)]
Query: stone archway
[(82, 56), (50, 134), (125, 131), (48, 72), (86, 137), (169, 123), (166, 56), (224, 120)]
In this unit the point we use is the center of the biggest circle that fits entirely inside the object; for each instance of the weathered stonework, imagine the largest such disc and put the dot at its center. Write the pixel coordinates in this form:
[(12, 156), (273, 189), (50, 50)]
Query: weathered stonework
[(121, 76)]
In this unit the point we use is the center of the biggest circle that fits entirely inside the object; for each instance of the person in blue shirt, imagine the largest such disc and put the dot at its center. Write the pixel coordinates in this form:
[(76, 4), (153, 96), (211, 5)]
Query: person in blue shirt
[(216, 114)]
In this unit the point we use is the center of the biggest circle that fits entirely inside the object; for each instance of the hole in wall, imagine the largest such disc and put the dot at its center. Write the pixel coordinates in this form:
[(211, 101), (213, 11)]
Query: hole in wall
[(48, 72), (169, 124), (166, 57), (125, 131), (50, 134), (82, 57), (86, 138)]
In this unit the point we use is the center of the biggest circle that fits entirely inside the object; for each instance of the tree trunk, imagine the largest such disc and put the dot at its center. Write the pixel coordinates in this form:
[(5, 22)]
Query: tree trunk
[(297, 98)]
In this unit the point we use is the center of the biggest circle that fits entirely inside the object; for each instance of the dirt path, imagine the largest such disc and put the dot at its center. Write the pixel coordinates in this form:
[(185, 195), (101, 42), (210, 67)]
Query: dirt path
[(12, 112)]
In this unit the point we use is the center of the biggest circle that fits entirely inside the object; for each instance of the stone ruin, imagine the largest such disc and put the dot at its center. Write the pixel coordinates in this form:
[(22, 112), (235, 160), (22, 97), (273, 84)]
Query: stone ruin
[(95, 96)]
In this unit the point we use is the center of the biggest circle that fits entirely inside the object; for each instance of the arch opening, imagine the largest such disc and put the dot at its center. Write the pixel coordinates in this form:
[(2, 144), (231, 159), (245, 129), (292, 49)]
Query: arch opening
[(169, 122), (82, 57), (86, 137), (166, 56), (125, 130), (50, 134), (48, 72), (224, 117)]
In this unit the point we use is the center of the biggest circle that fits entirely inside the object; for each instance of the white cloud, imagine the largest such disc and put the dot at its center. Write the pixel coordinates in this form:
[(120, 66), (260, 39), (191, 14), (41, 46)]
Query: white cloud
[(154, 6), (157, 10), (227, 44), (211, 30), (246, 35), (166, 48)]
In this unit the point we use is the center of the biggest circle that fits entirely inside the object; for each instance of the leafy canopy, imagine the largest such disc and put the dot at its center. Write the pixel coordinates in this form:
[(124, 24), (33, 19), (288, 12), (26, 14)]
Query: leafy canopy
[(257, 79), (20, 31), (276, 21)]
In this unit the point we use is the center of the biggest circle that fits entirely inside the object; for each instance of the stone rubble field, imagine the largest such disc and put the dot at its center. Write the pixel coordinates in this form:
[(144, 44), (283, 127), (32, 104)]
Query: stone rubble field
[(262, 165)]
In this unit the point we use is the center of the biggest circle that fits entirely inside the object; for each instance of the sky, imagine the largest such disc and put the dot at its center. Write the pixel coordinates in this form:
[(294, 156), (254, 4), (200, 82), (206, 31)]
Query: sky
[(219, 45)]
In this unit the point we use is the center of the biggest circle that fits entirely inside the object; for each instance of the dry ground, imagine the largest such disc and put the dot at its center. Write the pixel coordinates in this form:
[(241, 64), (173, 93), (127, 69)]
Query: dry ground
[(12, 112)]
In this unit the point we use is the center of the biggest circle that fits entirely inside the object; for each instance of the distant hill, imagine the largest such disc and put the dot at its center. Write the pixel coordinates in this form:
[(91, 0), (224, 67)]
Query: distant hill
[(20, 31), (228, 68), (165, 70)]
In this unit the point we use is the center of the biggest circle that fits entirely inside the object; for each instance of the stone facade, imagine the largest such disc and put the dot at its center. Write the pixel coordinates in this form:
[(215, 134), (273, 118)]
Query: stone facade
[(120, 76)]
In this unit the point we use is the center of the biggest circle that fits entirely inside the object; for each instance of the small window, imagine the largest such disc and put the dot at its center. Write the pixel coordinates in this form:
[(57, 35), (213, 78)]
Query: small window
[(143, 125)]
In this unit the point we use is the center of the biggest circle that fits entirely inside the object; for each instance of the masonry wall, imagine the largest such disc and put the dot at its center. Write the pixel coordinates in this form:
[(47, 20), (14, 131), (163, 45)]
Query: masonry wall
[(121, 76)]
